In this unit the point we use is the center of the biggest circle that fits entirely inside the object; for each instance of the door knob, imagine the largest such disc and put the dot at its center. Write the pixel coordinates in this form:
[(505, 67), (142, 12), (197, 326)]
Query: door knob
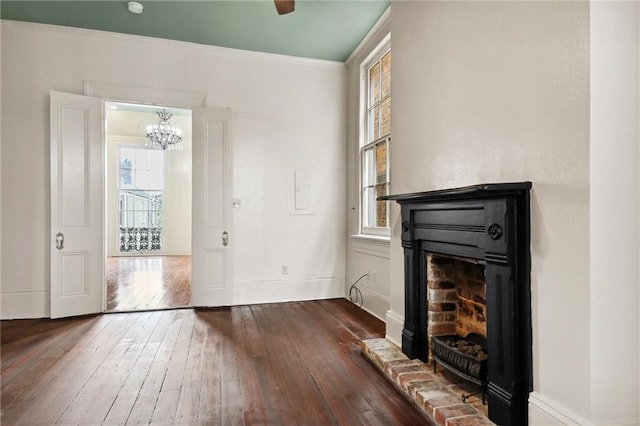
[(59, 240), (225, 238)]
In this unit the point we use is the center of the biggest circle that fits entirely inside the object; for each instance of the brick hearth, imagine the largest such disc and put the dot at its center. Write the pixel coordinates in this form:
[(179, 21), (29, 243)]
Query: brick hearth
[(436, 395)]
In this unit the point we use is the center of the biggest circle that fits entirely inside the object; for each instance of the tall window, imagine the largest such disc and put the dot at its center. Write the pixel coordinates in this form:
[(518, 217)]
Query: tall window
[(375, 150), (140, 199)]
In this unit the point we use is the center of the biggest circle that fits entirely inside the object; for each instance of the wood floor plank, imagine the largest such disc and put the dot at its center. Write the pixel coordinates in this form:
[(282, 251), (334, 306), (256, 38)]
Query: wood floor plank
[(45, 347), (290, 376), (122, 406), (68, 380), (232, 397), (355, 367), (187, 410), (330, 368), (168, 398), (248, 353), (87, 386), (358, 321), (209, 407), (293, 363), (148, 282), (59, 354), (145, 403), (392, 409), (106, 385)]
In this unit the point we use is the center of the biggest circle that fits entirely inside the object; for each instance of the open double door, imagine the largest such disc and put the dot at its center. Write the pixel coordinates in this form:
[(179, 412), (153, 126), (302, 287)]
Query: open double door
[(78, 205)]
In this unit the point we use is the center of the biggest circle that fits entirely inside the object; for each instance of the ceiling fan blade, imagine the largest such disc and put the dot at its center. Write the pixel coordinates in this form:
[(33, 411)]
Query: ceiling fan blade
[(285, 6)]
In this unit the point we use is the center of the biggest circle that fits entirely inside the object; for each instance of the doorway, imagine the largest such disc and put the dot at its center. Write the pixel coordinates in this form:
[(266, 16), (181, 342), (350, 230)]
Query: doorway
[(78, 223), (147, 211)]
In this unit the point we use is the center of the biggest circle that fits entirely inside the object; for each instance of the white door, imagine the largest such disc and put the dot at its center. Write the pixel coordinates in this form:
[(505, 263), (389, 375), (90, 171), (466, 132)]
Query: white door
[(77, 212), (212, 239)]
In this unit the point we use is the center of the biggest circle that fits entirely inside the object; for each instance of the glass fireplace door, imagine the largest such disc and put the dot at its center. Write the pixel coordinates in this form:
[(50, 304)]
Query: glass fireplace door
[(140, 193)]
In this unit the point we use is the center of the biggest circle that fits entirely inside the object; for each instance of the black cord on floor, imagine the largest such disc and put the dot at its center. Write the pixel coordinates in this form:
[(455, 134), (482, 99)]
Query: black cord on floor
[(354, 292)]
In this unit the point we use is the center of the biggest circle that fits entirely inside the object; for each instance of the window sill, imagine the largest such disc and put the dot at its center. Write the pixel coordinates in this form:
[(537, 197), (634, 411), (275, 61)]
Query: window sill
[(373, 239), (371, 245)]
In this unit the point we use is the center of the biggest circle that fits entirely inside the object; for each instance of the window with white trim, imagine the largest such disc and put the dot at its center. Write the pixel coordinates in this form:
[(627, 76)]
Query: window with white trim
[(375, 146), (140, 193)]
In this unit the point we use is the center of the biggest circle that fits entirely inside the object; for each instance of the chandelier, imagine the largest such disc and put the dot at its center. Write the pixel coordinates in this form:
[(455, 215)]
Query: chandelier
[(162, 136)]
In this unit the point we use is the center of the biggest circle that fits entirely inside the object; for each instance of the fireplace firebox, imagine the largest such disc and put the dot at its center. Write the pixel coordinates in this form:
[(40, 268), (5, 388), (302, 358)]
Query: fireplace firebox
[(490, 223), (447, 351)]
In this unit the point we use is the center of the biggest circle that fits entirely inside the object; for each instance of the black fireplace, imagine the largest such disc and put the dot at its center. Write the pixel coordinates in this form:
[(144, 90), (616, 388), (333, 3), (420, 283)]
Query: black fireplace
[(489, 222)]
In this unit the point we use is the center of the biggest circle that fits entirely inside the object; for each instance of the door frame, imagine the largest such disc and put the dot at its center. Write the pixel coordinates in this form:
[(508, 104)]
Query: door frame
[(115, 92)]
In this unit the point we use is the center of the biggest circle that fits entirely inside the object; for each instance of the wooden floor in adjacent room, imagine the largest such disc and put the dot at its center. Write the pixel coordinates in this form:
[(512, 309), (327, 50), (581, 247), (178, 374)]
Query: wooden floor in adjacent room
[(148, 282), (278, 364)]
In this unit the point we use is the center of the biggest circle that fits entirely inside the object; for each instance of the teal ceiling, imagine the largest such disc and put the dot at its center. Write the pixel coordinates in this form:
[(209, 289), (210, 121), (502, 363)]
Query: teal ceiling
[(317, 29)]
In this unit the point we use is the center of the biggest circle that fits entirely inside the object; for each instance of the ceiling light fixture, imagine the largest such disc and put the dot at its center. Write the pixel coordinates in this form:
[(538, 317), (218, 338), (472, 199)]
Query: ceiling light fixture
[(285, 6), (162, 136), (135, 7)]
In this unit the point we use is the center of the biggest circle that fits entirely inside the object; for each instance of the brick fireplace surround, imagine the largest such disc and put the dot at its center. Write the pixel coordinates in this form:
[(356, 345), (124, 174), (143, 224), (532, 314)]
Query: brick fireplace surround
[(456, 296), (488, 224)]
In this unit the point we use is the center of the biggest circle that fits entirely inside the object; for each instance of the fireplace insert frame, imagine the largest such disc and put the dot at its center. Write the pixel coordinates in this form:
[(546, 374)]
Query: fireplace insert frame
[(462, 364), (490, 222)]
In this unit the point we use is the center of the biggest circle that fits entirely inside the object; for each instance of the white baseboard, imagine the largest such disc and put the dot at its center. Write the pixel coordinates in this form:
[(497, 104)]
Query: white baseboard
[(545, 412), (364, 308), (24, 304), (178, 251), (247, 293), (395, 323), (372, 301)]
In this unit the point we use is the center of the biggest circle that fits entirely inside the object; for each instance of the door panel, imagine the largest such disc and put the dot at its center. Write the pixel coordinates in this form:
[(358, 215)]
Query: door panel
[(73, 270), (214, 265), (77, 199), (215, 174), (211, 272)]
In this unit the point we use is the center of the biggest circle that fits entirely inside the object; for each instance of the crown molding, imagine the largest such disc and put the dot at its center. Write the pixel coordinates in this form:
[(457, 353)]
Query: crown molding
[(200, 48), (378, 31)]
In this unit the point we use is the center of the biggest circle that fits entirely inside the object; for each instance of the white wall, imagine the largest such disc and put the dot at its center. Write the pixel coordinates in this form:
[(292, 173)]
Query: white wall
[(127, 128), (1, 176), (364, 255), (495, 92), (288, 113), (615, 211)]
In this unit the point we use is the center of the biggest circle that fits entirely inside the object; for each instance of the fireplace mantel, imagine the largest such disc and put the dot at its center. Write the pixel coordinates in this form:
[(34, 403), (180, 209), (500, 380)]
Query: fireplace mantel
[(466, 192), (489, 222)]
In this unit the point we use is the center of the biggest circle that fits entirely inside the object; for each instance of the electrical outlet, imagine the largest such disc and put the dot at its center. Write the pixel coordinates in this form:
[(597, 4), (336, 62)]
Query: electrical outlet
[(285, 269)]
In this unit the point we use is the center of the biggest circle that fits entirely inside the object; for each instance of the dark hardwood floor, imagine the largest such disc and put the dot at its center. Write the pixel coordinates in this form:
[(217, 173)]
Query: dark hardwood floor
[(293, 363), (149, 282)]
